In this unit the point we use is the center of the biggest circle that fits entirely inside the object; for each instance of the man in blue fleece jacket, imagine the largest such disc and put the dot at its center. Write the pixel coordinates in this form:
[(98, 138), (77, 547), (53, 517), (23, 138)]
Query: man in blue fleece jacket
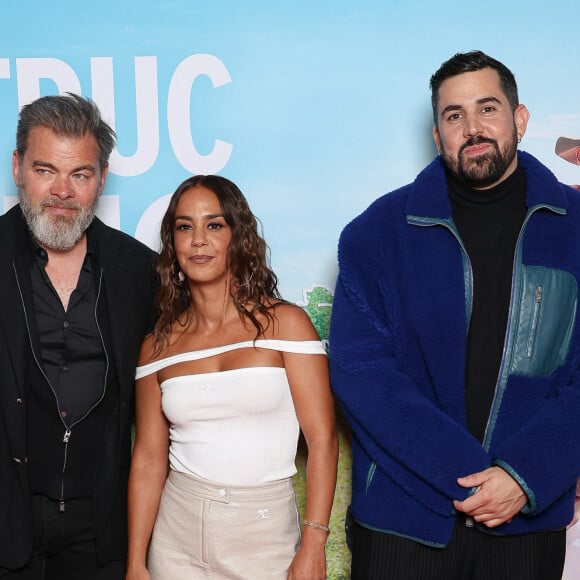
[(455, 350)]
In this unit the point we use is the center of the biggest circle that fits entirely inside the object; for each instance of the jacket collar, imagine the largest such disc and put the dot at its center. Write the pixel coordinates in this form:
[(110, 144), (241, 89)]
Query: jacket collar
[(15, 254), (428, 195)]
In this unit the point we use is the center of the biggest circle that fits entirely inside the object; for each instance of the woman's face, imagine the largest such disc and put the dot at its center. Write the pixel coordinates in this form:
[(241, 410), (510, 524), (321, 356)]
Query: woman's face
[(201, 236)]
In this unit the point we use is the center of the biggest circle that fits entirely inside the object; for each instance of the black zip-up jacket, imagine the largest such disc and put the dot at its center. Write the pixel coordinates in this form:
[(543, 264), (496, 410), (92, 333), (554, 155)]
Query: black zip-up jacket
[(127, 314)]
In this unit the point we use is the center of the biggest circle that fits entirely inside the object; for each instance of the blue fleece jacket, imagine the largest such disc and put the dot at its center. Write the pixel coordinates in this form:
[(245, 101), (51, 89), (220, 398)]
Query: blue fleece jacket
[(398, 354)]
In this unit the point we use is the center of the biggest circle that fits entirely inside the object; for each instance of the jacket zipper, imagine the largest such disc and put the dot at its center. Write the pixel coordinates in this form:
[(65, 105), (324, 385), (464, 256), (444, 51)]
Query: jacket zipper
[(538, 295), (67, 428), (507, 346), (501, 379)]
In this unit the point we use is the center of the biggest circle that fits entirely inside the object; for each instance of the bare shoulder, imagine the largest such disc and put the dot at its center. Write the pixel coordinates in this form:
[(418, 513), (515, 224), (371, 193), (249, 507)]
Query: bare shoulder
[(292, 323), (147, 353)]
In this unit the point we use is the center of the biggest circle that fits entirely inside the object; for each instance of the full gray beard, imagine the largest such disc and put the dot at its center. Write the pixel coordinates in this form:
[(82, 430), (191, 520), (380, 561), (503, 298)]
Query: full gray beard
[(58, 233)]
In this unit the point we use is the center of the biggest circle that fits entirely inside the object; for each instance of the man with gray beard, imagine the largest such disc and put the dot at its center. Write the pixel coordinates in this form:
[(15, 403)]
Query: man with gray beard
[(75, 303)]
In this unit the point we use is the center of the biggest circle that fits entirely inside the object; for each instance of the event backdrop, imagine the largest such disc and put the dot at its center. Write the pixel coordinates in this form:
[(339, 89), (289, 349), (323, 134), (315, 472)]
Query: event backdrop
[(313, 108)]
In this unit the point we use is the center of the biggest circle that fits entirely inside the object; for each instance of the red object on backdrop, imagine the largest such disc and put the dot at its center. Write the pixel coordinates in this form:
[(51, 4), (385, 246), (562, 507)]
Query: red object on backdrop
[(569, 149)]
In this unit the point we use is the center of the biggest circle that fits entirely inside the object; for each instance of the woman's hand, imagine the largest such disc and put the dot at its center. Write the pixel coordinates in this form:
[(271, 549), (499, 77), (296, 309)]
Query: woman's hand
[(309, 563)]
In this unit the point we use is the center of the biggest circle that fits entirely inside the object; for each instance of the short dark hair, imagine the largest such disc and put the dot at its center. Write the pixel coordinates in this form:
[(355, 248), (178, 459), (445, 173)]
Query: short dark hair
[(68, 115), (472, 61)]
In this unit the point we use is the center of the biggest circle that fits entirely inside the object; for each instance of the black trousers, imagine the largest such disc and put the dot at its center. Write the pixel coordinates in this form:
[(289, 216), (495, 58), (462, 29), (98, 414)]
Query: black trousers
[(470, 555), (64, 546)]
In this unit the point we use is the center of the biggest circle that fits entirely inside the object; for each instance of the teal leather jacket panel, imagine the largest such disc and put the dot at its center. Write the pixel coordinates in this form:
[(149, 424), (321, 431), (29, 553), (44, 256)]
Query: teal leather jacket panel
[(398, 354)]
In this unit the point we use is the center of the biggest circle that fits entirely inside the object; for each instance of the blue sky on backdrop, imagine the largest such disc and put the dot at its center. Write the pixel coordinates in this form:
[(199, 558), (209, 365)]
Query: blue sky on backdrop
[(328, 105)]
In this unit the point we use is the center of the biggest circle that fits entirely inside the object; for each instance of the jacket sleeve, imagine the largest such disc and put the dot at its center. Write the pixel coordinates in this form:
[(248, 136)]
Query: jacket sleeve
[(543, 455), (399, 426)]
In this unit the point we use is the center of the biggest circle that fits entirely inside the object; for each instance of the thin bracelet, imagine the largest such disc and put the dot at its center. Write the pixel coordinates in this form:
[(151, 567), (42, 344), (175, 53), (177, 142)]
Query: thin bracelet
[(317, 525)]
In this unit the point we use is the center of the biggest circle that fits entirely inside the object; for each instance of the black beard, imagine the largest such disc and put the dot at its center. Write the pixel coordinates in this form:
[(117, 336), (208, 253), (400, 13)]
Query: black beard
[(484, 170)]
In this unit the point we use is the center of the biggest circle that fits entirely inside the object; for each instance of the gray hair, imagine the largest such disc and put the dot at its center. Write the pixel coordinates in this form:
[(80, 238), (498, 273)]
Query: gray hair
[(68, 115)]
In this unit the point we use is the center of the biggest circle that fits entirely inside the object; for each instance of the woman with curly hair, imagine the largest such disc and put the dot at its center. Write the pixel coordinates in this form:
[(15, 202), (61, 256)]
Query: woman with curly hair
[(225, 382)]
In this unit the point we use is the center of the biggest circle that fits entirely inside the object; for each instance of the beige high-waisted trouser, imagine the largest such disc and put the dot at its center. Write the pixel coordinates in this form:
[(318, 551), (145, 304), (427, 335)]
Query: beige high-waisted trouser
[(212, 530)]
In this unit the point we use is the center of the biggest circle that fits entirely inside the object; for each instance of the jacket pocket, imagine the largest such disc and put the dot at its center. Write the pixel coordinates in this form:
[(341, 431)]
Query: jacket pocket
[(546, 317), (370, 475)]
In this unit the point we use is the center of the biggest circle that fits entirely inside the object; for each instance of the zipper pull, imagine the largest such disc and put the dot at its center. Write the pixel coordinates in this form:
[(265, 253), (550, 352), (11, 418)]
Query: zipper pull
[(538, 294), (61, 507), (66, 439)]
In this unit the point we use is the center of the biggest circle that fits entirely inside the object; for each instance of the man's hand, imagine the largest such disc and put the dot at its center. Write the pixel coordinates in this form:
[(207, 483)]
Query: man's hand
[(497, 499)]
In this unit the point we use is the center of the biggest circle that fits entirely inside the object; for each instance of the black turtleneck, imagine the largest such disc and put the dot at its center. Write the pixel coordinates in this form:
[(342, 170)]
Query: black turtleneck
[(489, 222)]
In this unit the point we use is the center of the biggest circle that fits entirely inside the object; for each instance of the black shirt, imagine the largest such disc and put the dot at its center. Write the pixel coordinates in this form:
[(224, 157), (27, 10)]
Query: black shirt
[(73, 388), (73, 356), (489, 222)]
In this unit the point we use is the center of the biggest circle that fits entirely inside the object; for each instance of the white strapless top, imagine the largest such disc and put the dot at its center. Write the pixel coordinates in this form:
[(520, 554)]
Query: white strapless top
[(238, 426)]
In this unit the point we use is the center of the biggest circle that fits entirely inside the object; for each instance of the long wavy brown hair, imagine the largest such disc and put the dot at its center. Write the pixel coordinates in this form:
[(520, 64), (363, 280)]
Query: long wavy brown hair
[(254, 286)]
